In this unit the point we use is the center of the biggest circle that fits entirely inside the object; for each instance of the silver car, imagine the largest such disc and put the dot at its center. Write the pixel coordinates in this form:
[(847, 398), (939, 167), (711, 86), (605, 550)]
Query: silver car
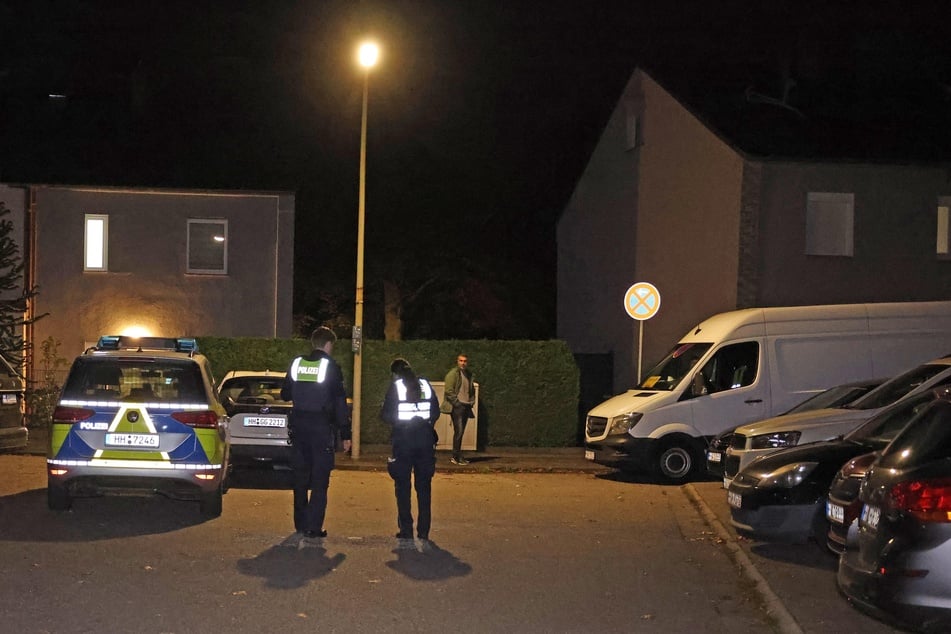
[(258, 416)]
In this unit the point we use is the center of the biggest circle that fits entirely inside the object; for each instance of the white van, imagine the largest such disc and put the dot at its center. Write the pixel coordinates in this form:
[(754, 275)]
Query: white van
[(745, 365)]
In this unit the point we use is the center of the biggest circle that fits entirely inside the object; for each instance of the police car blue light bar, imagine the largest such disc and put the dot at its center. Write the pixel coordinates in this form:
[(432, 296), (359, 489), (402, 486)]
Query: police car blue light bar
[(122, 342)]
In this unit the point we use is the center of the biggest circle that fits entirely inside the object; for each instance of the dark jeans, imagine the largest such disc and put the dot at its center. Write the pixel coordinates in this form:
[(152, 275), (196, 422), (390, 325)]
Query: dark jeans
[(460, 416), (312, 460), (416, 467)]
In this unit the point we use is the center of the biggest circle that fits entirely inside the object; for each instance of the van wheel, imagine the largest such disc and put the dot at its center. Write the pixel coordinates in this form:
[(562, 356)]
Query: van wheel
[(57, 497), (675, 461), (210, 503)]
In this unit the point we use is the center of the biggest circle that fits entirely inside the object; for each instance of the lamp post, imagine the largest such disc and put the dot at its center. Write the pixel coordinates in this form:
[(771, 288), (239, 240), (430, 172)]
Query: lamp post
[(367, 54)]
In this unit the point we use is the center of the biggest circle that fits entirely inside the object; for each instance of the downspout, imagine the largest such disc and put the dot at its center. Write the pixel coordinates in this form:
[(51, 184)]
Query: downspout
[(277, 262)]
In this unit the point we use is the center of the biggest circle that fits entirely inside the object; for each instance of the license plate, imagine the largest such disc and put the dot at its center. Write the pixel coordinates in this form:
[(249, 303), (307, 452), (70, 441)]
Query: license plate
[(132, 440), (714, 456), (870, 516), (835, 513), (734, 499), (264, 421), (588, 455), (9, 399)]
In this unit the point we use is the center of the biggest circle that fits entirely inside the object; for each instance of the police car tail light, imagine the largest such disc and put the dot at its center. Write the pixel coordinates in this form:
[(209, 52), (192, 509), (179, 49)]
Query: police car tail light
[(205, 419), (71, 415)]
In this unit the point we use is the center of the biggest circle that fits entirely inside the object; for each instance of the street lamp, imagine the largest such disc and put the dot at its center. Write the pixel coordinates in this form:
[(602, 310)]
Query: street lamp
[(367, 55)]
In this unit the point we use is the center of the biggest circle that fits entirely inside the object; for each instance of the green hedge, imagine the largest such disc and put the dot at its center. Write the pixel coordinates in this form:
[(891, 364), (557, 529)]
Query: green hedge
[(528, 389)]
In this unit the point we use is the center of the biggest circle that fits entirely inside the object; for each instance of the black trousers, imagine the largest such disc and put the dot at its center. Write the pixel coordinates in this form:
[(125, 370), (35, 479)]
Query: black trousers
[(460, 416), (413, 467), (313, 460)]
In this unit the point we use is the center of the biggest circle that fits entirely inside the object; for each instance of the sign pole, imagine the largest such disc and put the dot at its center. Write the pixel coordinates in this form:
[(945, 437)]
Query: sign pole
[(640, 350)]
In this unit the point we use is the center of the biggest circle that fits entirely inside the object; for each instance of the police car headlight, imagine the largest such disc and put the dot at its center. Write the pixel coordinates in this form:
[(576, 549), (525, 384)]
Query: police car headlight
[(787, 476), (623, 423), (775, 441)]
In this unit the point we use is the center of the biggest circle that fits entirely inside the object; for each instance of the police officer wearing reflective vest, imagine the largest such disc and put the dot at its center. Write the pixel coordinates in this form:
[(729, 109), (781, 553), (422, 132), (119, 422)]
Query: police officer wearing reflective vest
[(315, 384), (411, 409)]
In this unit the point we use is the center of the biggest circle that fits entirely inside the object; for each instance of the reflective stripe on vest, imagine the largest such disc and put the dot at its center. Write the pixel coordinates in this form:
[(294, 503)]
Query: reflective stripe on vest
[(408, 410), (309, 371)]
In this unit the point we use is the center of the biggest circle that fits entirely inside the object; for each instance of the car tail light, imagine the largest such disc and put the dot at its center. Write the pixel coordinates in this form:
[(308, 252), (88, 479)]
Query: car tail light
[(71, 415), (205, 419), (925, 500)]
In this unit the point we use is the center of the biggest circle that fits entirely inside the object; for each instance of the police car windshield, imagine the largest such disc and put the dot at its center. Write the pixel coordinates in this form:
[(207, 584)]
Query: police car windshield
[(130, 379), (668, 373)]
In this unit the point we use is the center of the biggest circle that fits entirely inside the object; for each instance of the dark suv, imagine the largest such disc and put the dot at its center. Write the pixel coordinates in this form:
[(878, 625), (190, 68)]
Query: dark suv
[(139, 415), (13, 433)]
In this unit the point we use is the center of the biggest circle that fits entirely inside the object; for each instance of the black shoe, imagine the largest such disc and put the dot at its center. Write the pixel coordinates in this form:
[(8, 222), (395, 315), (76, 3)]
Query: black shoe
[(402, 536), (315, 534)]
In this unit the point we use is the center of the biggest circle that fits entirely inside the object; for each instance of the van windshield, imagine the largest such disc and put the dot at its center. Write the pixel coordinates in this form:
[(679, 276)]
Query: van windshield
[(668, 373)]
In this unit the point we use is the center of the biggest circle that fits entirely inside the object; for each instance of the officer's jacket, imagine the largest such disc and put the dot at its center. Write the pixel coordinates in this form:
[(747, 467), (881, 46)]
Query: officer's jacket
[(412, 421), (315, 384)]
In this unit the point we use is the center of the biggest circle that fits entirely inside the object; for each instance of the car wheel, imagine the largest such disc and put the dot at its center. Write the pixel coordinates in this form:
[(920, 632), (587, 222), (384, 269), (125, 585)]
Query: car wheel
[(210, 503), (675, 460), (57, 497)]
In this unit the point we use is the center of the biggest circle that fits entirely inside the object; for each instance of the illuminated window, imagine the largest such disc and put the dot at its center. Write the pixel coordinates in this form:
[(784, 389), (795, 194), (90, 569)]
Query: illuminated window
[(96, 243), (944, 232), (829, 222), (207, 246)]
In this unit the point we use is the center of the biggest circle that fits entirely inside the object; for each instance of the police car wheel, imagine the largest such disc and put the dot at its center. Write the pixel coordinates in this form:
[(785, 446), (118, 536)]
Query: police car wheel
[(57, 497), (210, 503)]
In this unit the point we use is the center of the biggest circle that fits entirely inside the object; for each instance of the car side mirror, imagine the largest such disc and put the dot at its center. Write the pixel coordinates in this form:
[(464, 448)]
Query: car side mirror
[(698, 386)]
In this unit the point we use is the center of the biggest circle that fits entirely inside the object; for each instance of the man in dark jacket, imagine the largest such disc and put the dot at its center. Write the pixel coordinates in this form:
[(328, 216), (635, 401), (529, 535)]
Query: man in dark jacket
[(411, 409), (315, 384), (458, 400)]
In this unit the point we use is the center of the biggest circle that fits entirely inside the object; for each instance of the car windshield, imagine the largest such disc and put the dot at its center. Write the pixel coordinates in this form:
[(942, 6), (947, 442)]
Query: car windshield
[(252, 389), (668, 373), (927, 437), (882, 428), (893, 389), (135, 379), (833, 397)]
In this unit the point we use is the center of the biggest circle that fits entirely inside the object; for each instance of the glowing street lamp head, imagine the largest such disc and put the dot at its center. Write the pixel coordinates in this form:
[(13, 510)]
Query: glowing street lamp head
[(368, 54)]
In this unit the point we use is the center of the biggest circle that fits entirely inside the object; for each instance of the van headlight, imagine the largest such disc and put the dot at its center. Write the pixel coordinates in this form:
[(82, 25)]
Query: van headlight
[(777, 440), (623, 423), (787, 476)]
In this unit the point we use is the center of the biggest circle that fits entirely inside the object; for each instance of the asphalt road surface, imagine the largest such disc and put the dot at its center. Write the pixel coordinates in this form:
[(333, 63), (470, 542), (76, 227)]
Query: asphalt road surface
[(513, 553)]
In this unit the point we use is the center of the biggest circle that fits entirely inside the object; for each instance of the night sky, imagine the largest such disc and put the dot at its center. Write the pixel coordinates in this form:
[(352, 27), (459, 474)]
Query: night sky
[(482, 116)]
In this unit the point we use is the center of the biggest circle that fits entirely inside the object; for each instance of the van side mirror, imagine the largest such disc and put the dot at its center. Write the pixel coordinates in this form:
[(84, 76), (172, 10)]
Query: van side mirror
[(698, 386)]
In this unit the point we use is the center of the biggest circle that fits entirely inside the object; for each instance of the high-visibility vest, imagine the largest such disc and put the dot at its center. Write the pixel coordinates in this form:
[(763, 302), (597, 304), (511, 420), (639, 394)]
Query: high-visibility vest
[(309, 371), (408, 410)]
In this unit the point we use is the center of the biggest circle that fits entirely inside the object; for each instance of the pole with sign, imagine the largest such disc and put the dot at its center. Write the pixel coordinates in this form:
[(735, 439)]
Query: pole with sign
[(641, 302)]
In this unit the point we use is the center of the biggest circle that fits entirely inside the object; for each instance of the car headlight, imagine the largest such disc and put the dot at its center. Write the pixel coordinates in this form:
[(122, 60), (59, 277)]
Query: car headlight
[(623, 423), (775, 441), (787, 476)]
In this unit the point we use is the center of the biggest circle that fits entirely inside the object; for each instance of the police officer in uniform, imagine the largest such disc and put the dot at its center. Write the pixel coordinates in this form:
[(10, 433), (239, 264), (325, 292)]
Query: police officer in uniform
[(315, 384), (411, 409)]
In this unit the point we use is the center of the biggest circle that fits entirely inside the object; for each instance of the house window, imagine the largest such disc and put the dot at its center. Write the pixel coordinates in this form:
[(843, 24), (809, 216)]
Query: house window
[(943, 230), (207, 246), (96, 243), (829, 222)]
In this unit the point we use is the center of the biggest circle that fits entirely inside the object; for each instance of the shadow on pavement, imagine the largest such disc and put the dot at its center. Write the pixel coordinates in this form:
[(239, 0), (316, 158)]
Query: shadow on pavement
[(262, 476), (292, 563), (425, 561), (24, 517)]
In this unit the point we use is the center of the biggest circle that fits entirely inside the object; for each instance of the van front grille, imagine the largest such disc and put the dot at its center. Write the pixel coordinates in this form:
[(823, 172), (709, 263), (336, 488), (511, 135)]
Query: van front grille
[(596, 425)]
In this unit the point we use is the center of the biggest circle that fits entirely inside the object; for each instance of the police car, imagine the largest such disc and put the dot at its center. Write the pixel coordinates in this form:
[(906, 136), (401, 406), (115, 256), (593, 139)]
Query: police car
[(139, 415)]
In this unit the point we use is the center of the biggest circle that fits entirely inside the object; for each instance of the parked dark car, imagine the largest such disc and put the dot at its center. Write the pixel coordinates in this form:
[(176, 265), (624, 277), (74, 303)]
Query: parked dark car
[(843, 505), (782, 496), (837, 396), (898, 567)]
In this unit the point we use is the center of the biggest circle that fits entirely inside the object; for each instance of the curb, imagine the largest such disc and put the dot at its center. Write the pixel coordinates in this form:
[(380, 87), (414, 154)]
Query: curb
[(774, 606)]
